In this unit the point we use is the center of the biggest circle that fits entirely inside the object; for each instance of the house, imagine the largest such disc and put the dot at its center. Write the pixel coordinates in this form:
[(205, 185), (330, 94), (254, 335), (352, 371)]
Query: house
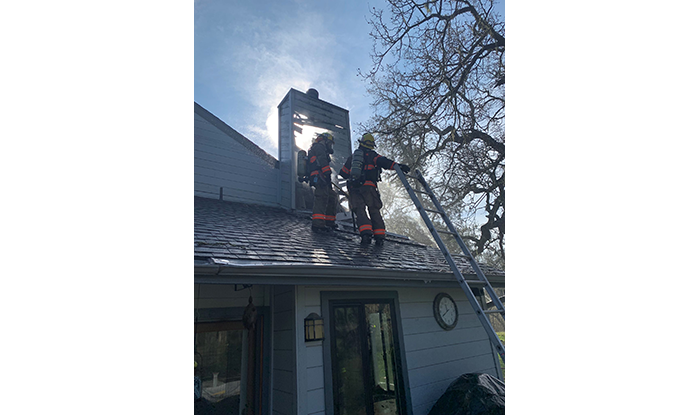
[(339, 328)]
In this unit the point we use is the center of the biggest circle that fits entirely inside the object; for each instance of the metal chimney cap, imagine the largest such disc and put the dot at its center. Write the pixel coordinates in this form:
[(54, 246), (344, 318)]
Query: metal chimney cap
[(312, 92)]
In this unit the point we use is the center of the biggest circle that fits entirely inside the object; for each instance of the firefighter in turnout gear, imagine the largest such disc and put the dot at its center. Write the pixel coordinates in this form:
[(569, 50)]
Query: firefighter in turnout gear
[(362, 185), (325, 198)]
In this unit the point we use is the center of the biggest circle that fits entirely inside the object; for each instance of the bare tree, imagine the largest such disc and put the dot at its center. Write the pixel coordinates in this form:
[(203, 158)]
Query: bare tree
[(438, 88)]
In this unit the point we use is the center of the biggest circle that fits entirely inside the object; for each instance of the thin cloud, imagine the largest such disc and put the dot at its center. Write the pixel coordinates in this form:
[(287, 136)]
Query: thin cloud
[(273, 58), (258, 52)]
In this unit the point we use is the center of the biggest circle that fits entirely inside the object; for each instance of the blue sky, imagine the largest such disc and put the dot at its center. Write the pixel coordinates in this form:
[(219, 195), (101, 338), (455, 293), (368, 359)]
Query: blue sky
[(248, 54)]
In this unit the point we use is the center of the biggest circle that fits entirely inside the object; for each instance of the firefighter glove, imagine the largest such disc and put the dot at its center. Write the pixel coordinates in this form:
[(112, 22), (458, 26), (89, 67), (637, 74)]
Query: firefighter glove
[(404, 168)]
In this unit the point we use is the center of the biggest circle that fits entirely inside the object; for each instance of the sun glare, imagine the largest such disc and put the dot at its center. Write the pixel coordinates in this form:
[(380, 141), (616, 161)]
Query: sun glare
[(308, 133), (303, 140)]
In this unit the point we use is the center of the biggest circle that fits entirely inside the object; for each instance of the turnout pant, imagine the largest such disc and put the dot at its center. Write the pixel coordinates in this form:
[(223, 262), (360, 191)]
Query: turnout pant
[(325, 205), (363, 199)]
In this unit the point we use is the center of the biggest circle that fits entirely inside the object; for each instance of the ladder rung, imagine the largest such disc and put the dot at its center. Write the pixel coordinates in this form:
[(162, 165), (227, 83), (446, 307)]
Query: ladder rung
[(420, 191), (463, 256), (411, 176), (433, 211), (448, 232), (493, 311)]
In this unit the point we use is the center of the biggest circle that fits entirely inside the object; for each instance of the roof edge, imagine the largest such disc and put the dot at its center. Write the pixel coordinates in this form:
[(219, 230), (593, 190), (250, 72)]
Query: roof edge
[(314, 274)]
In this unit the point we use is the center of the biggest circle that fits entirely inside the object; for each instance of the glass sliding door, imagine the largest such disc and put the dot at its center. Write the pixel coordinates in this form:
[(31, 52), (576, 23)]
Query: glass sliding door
[(366, 378), (381, 345), (348, 385)]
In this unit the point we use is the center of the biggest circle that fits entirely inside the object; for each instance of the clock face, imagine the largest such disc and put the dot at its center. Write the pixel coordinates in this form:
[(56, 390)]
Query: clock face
[(445, 311), (448, 311)]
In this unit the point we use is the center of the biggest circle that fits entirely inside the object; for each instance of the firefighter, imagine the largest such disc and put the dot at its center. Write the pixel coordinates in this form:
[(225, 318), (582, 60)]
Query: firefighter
[(325, 198), (364, 192)]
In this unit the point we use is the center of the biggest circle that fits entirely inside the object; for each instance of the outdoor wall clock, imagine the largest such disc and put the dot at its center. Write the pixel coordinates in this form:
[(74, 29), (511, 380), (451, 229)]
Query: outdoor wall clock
[(445, 311)]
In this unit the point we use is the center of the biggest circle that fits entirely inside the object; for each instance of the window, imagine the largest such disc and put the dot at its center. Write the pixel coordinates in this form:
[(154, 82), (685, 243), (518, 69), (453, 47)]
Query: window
[(219, 356)]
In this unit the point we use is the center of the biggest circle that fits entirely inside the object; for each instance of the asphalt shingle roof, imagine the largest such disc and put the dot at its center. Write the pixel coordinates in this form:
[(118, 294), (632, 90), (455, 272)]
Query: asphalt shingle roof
[(240, 234)]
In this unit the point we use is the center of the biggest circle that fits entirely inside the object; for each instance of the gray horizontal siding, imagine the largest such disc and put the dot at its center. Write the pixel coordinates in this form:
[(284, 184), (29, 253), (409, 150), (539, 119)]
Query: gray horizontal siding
[(283, 402), (284, 351), (224, 165), (245, 181), (232, 194), (314, 354), (314, 378), (225, 295), (233, 189), (436, 357), (207, 119), (223, 156), (421, 341), (283, 338), (284, 360), (316, 402)]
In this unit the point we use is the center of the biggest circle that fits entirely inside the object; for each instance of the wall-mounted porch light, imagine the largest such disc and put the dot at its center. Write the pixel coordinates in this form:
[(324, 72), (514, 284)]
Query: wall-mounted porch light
[(313, 327)]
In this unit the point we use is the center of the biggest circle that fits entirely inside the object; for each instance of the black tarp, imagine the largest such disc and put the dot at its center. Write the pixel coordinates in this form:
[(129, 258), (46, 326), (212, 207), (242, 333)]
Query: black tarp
[(472, 394)]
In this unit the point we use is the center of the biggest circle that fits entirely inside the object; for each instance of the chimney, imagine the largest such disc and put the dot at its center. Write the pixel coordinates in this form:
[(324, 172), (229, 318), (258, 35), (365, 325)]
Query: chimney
[(301, 116)]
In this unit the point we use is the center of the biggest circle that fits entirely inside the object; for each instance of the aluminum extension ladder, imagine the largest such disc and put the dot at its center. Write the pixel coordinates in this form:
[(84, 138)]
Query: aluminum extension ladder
[(481, 314)]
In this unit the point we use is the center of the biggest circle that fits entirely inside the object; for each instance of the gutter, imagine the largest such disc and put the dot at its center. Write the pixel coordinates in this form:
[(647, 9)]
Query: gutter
[(228, 272)]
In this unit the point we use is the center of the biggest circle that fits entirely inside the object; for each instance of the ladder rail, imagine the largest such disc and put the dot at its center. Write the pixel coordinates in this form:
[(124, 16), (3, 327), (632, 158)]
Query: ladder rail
[(483, 318), (462, 245)]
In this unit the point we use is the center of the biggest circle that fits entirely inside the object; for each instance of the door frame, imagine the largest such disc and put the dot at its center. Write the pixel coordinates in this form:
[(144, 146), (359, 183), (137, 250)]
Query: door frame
[(392, 297)]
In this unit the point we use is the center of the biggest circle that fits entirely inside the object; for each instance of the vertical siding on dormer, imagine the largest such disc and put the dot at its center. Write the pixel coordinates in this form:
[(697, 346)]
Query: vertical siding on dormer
[(221, 162)]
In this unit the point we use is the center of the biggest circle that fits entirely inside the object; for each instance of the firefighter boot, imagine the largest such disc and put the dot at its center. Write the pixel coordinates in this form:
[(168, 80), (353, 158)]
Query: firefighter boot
[(366, 239), (379, 241)]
